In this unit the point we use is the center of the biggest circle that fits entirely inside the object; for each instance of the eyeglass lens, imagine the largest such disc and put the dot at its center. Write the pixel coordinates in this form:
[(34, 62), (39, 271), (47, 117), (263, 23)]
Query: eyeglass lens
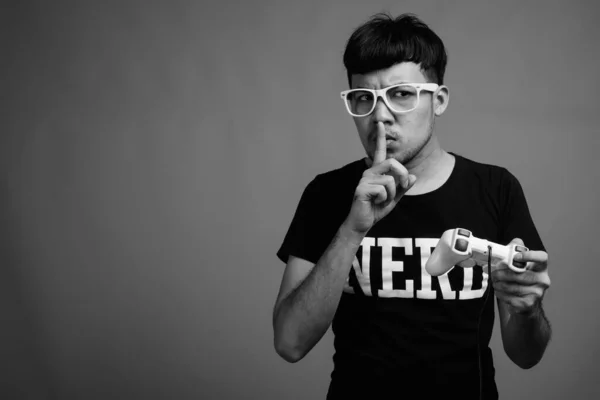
[(400, 98)]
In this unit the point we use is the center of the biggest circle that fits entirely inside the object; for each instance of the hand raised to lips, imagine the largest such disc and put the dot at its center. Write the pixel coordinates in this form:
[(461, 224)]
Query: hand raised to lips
[(380, 189)]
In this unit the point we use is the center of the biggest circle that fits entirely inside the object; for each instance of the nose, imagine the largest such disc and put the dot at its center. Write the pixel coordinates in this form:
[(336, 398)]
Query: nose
[(382, 112)]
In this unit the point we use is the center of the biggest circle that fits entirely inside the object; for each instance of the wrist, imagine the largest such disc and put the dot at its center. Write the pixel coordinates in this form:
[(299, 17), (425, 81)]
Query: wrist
[(531, 314), (347, 233)]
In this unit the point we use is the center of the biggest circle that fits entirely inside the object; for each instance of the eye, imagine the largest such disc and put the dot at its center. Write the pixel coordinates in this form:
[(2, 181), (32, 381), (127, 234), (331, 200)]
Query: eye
[(401, 93), (362, 96)]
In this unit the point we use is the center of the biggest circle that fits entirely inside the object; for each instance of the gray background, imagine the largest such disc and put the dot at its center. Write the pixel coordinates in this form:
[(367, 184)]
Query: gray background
[(152, 156)]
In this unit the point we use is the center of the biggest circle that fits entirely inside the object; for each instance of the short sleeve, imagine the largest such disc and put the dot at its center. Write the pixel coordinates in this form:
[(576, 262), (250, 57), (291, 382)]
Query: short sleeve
[(516, 217), (306, 235)]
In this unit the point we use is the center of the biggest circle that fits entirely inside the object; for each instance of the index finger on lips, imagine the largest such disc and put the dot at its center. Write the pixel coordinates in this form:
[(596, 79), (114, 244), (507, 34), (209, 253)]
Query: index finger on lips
[(380, 146)]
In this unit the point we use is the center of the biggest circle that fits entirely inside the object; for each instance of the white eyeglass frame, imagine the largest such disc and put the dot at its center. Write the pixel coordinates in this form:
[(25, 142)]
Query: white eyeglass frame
[(428, 87)]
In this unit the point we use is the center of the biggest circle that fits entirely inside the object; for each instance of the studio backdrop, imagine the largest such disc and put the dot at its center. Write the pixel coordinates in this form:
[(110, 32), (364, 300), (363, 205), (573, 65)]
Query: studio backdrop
[(152, 155)]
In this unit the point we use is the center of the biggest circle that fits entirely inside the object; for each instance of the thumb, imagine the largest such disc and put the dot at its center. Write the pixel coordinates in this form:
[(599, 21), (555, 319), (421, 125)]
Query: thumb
[(517, 241)]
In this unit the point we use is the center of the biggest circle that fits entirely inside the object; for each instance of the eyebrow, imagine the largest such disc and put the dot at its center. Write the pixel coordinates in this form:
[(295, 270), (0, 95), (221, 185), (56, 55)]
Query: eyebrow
[(393, 84)]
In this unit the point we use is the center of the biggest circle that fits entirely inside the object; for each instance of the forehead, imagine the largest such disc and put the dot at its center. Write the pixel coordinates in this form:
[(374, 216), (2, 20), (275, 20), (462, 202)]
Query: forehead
[(398, 73)]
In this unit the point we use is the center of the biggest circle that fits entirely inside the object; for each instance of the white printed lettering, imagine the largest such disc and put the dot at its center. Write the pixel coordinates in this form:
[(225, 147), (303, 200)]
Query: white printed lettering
[(388, 266), (468, 293), (425, 246), (362, 276)]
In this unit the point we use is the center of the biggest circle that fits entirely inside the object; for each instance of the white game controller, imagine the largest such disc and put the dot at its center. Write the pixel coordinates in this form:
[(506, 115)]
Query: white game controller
[(459, 247)]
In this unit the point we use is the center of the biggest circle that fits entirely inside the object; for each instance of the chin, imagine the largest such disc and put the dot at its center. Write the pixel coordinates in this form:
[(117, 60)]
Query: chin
[(402, 155)]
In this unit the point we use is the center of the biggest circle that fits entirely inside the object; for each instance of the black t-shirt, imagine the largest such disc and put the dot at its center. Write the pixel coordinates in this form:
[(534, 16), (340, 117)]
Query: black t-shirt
[(397, 329)]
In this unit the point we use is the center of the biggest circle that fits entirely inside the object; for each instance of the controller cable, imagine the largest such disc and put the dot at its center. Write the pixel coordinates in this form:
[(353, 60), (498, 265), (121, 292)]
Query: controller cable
[(479, 323)]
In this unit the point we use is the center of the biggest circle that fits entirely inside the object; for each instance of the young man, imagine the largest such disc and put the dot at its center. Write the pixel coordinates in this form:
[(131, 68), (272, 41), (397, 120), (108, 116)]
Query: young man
[(358, 243)]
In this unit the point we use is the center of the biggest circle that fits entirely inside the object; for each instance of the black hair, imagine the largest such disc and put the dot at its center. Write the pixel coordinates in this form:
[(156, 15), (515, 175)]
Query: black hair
[(384, 41)]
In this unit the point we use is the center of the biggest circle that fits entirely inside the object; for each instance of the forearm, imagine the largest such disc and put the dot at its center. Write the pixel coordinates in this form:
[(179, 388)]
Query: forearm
[(526, 336), (303, 316)]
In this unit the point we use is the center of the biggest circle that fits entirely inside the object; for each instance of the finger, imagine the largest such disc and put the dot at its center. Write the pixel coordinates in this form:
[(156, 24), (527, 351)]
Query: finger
[(377, 194), (401, 190), (503, 289), (468, 263), (538, 259), (390, 187), (366, 190), (526, 278), (394, 168), (517, 241), (514, 289), (378, 179), (386, 181), (515, 301), (409, 183), (380, 146), (508, 275), (404, 179)]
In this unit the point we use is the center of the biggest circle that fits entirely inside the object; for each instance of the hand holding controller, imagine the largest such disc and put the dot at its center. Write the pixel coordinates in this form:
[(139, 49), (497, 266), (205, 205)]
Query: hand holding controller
[(458, 246)]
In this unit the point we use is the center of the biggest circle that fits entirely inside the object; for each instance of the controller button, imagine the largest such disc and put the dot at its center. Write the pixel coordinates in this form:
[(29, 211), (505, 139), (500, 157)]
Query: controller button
[(464, 232), (461, 245)]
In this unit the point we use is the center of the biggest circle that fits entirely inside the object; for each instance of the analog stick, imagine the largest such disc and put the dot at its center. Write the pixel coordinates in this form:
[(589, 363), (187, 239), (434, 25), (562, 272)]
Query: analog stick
[(461, 245)]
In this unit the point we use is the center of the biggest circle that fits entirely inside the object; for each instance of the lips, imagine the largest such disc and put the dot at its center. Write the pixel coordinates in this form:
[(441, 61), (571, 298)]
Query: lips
[(390, 140), (387, 137)]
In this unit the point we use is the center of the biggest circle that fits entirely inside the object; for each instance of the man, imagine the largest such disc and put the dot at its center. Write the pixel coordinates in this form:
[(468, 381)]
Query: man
[(356, 248)]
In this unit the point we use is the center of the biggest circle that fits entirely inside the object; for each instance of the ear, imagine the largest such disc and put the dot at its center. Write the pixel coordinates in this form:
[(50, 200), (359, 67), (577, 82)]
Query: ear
[(441, 97)]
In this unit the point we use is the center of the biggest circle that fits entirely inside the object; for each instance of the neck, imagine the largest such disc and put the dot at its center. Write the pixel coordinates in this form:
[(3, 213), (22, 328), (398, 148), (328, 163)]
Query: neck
[(432, 167), (428, 161)]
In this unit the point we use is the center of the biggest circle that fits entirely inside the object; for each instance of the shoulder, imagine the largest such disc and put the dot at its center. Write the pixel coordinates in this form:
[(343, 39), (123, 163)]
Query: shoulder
[(494, 182), (490, 173), (332, 188), (337, 179)]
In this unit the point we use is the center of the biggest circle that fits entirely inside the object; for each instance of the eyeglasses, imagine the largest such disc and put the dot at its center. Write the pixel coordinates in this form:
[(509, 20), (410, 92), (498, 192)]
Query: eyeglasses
[(400, 98)]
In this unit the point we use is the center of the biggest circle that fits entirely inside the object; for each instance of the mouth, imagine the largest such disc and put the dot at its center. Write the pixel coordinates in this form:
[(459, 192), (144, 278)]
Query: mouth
[(389, 140)]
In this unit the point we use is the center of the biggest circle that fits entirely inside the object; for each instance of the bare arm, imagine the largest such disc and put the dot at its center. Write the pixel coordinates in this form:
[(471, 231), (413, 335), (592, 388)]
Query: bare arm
[(524, 327), (309, 296), (524, 336)]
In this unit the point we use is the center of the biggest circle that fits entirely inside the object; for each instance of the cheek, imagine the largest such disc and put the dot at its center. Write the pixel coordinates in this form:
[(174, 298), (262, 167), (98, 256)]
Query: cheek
[(362, 126), (414, 122)]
